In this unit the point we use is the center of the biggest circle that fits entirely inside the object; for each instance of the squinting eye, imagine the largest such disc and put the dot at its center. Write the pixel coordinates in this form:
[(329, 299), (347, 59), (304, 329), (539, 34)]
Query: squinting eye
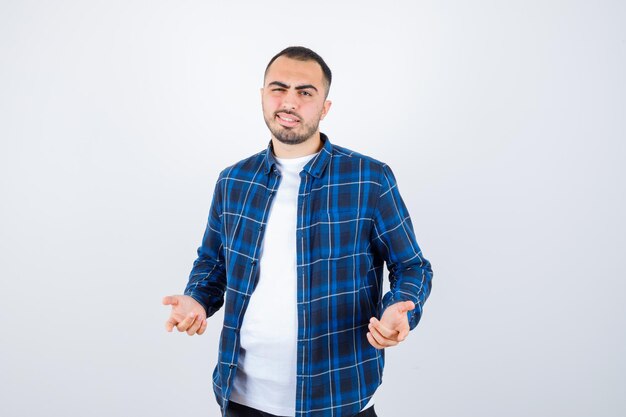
[(306, 93)]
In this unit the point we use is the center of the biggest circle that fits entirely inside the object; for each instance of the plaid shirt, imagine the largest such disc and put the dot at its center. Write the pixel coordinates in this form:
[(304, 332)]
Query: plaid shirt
[(351, 220)]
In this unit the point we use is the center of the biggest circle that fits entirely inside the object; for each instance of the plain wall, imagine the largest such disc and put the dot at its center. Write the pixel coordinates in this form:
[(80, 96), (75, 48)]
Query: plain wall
[(504, 123)]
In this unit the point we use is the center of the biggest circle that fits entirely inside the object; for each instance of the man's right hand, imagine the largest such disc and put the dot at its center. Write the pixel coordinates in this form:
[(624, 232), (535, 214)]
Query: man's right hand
[(187, 315)]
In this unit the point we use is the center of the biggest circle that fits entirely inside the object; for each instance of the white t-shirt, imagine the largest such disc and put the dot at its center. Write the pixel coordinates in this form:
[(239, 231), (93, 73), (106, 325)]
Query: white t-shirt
[(266, 372)]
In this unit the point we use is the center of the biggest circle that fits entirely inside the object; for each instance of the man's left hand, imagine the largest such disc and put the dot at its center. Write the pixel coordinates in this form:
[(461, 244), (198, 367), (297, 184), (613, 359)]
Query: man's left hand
[(393, 326)]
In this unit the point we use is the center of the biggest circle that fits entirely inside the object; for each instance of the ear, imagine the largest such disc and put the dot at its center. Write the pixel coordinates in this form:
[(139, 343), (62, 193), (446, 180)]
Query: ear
[(325, 109)]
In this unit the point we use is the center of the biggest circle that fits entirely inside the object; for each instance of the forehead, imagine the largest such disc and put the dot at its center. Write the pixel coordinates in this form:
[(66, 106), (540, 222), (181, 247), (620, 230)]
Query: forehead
[(293, 71)]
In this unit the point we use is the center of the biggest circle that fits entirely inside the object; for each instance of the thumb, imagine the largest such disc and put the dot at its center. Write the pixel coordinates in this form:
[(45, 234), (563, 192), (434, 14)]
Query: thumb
[(170, 300), (406, 306), (403, 334)]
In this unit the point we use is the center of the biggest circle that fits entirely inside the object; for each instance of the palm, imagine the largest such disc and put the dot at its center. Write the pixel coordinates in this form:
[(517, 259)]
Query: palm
[(394, 318), (187, 314), (393, 326), (184, 306)]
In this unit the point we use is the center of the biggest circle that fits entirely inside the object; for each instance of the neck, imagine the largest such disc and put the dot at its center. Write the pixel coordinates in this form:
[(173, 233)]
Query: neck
[(308, 147)]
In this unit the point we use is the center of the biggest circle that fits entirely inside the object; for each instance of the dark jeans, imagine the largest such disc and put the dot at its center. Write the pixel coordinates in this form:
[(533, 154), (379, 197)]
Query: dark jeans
[(238, 410)]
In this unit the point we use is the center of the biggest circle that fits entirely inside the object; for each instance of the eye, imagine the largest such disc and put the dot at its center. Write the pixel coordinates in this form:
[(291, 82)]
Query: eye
[(306, 93)]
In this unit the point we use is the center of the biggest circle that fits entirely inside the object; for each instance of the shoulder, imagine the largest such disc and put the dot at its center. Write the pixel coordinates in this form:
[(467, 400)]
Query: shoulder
[(348, 160), (246, 169)]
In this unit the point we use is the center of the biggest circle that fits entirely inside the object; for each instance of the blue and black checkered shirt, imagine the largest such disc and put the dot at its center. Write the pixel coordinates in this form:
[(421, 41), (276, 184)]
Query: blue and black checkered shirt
[(351, 221)]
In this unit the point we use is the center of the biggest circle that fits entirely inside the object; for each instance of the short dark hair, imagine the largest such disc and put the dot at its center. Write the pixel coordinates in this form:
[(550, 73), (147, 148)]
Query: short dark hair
[(301, 53)]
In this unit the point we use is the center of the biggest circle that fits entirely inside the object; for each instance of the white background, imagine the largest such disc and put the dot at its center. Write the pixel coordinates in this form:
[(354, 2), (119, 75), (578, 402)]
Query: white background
[(504, 122)]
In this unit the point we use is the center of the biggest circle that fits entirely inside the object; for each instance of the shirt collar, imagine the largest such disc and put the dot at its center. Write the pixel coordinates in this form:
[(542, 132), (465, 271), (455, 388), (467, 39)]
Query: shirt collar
[(314, 167)]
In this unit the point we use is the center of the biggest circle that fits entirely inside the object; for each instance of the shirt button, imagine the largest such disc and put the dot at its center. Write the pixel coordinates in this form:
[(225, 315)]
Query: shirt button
[(260, 228), (253, 263)]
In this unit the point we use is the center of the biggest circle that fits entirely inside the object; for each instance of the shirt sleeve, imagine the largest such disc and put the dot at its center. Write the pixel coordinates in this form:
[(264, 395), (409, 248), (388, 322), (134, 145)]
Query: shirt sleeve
[(207, 279), (410, 274)]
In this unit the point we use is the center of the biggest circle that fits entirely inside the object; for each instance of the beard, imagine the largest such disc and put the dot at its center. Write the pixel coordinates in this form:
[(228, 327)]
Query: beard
[(288, 135)]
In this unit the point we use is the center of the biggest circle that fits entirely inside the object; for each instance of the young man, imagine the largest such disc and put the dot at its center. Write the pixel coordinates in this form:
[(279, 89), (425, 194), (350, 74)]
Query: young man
[(294, 248)]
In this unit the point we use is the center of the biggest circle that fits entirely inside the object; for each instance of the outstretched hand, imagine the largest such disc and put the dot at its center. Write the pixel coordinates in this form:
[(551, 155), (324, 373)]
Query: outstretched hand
[(187, 315), (393, 326)]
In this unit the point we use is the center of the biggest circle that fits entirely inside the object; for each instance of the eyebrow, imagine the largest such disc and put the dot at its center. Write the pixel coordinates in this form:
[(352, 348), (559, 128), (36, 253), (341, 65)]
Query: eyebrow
[(298, 87)]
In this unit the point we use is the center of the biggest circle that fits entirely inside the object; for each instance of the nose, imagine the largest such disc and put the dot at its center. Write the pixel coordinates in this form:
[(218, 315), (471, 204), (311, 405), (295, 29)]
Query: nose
[(290, 100)]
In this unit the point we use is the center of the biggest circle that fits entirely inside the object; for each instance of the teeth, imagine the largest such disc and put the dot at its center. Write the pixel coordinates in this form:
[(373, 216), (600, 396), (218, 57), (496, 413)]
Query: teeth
[(287, 119)]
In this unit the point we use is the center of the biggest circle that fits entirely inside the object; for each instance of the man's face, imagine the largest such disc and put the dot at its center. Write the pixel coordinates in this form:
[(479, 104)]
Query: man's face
[(293, 99)]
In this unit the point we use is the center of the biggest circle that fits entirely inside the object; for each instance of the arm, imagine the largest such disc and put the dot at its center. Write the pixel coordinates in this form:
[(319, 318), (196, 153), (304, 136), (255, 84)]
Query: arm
[(207, 279), (204, 293), (410, 274)]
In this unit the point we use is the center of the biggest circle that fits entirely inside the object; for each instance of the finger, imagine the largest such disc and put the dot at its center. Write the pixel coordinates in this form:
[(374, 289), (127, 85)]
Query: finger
[(186, 323), (170, 300), (386, 332), (194, 327), (376, 335), (169, 324), (373, 341), (403, 334), (380, 339), (203, 327), (385, 341)]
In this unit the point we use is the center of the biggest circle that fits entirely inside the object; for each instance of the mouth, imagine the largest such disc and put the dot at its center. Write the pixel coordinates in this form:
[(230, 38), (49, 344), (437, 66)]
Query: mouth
[(286, 119)]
